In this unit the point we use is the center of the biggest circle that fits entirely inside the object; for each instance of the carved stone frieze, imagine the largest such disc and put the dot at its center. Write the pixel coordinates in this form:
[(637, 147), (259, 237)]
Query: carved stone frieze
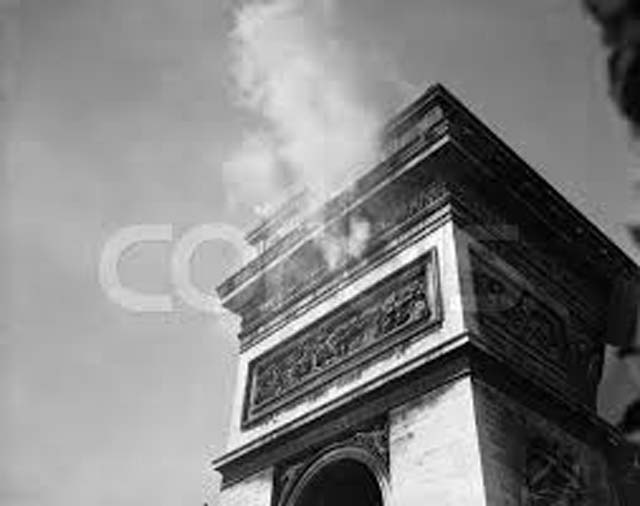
[(554, 272), (505, 305), (371, 322), (503, 302)]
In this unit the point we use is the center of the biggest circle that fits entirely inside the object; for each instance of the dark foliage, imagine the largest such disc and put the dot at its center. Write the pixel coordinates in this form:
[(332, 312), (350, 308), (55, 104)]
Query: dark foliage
[(620, 22), (631, 420)]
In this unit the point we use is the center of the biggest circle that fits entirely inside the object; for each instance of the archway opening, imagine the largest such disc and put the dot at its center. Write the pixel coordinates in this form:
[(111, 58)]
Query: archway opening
[(346, 482)]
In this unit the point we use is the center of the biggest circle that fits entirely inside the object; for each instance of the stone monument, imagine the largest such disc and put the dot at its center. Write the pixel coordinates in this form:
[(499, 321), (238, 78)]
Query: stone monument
[(447, 352)]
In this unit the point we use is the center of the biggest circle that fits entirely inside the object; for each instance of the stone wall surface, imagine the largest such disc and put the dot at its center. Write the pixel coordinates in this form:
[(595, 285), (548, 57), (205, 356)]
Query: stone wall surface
[(434, 453), (253, 491)]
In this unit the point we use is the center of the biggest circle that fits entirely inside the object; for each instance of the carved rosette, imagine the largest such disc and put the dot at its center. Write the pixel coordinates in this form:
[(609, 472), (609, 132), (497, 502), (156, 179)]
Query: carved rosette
[(342, 341)]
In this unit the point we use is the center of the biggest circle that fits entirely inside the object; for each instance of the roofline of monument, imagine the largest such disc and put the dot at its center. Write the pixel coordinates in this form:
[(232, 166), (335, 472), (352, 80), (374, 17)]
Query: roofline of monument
[(458, 118)]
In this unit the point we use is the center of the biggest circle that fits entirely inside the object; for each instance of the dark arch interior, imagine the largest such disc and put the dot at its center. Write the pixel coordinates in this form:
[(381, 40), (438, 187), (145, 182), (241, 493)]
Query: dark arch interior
[(343, 483)]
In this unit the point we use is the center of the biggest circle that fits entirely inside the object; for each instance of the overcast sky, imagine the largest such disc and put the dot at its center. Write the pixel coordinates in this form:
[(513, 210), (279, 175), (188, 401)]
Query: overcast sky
[(121, 112)]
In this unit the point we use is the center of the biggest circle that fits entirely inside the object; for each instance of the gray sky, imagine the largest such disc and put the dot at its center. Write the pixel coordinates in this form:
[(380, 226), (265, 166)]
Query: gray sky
[(121, 112)]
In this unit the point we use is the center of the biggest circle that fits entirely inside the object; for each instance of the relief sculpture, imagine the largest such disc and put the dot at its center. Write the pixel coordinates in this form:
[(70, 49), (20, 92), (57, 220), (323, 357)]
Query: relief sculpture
[(367, 323), (553, 476), (507, 306)]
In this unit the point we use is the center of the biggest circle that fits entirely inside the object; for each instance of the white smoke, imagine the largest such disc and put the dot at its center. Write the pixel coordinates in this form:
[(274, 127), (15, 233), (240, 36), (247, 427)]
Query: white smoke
[(296, 78), (253, 173), (339, 246)]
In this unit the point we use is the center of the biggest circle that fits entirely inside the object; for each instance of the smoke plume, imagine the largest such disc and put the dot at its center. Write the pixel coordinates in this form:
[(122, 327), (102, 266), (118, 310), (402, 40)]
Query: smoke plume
[(295, 78)]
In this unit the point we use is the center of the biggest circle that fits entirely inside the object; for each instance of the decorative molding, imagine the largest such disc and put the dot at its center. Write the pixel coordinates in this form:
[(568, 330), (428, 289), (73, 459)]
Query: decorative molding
[(286, 478), (376, 441), (373, 442), (379, 318)]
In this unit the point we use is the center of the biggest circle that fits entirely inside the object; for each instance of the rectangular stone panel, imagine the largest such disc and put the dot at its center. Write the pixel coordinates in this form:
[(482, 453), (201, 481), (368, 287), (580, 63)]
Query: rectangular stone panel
[(384, 316), (535, 331)]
